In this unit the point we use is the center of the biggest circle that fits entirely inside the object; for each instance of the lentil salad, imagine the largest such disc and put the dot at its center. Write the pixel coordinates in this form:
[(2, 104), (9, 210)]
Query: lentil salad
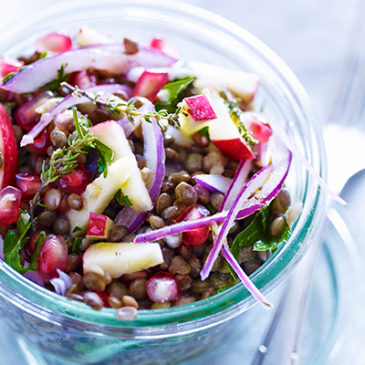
[(124, 170)]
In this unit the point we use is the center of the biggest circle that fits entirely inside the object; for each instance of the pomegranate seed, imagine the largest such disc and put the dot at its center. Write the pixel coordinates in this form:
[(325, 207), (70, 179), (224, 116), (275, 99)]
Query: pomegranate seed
[(28, 183), (76, 181), (40, 144), (54, 42), (199, 235), (162, 287), (52, 256), (157, 43), (82, 79), (9, 205), (25, 115), (8, 65), (104, 297)]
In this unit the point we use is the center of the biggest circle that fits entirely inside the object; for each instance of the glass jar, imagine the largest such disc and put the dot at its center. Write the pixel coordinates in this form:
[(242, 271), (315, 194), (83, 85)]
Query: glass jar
[(62, 329)]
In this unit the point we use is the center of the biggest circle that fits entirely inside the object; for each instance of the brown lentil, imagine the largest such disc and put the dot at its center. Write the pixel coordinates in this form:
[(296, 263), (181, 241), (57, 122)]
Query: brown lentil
[(129, 301), (73, 261), (137, 289), (74, 296), (251, 266), (201, 140), (94, 281), (161, 305), (141, 161), (168, 140), (234, 227), (217, 169), (129, 237), (216, 200), (184, 251), (163, 201), (246, 254), (46, 218), (131, 145), (117, 233), (185, 193), (58, 138), (126, 313), (264, 255), (115, 302), (277, 226), (171, 154), (183, 282), (130, 47), (52, 199), (282, 201), (195, 266), (170, 213), (177, 177), (156, 222), (179, 266), (199, 287), (77, 279), (61, 225), (217, 264), (208, 293), (185, 300), (211, 159), (167, 257), (74, 201), (203, 194), (117, 289), (93, 300), (194, 162)]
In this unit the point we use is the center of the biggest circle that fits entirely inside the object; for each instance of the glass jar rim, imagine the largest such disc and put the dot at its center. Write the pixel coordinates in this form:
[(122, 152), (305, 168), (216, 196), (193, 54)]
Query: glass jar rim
[(231, 302)]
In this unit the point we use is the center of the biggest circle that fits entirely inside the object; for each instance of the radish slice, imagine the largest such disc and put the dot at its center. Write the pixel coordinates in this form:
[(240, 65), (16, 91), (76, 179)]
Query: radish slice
[(154, 153), (256, 182), (68, 102), (215, 183), (162, 287), (8, 65), (45, 70), (149, 84), (62, 283), (54, 42), (200, 108)]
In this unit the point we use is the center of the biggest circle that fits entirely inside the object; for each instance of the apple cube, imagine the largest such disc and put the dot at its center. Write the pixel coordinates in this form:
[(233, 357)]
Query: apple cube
[(257, 125), (225, 135), (199, 108), (87, 36), (242, 84), (118, 259), (149, 84), (99, 226), (8, 149), (8, 65), (100, 192), (112, 135)]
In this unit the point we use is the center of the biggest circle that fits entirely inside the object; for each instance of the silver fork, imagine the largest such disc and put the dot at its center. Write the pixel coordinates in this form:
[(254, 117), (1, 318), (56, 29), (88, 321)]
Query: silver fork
[(344, 139)]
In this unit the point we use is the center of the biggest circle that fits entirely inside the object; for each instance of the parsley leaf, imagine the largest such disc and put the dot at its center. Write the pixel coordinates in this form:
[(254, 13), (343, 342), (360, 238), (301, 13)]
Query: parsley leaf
[(172, 91), (122, 199), (14, 242), (257, 234)]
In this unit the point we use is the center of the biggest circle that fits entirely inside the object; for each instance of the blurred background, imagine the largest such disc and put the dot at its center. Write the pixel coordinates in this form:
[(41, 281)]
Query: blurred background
[(321, 41)]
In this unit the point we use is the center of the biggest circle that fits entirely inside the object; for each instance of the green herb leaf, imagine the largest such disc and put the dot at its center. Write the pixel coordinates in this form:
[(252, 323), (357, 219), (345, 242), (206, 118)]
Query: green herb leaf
[(56, 83), (38, 244), (106, 156), (122, 199), (42, 55), (76, 245), (8, 77), (171, 92), (257, 234), (76, 229)]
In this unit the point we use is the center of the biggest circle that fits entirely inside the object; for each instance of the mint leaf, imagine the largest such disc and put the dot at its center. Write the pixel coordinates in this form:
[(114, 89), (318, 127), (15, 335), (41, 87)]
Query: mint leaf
[(172, 91), (122, 199), (257, 234), (105, 156)]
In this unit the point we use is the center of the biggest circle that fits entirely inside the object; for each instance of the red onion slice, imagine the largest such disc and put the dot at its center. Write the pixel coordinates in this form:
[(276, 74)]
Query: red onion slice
[(154, 153), (215, 183), (35, 277), (45, 70), (1, 247), (256, 182), (62, 283), (68, 102)]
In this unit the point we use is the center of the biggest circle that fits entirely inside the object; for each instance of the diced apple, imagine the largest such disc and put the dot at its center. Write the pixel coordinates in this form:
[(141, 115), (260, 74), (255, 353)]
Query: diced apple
[(112, 135), (100, 192), (242, 84), (87, 36), (225, 135), (149, 84), (121, 258), (8, 150), (257, 125), (99, 226), (199, 108), (188, 125)]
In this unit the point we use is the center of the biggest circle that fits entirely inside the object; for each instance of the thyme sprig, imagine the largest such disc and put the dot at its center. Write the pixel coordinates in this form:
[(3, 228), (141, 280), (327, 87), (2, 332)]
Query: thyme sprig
[(126, 108), (64, 160), (235, 112)]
